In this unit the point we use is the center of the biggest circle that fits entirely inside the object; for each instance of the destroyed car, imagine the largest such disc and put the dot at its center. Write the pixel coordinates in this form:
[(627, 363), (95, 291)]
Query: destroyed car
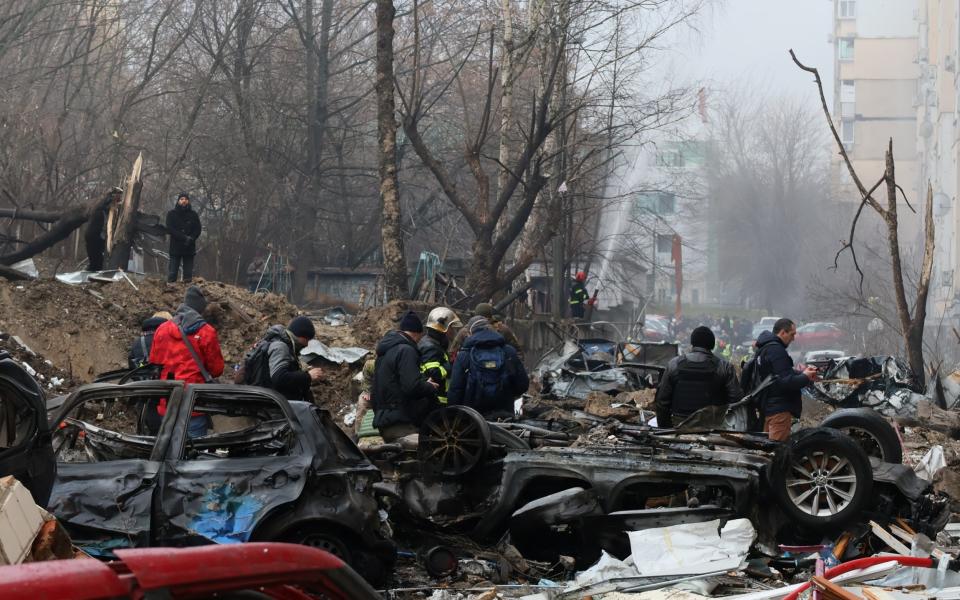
[(475, 477), (268, 469), (25, 450)]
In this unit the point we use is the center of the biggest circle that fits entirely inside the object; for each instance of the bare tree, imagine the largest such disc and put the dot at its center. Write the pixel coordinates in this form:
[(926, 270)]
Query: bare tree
[(911, 326), (394, 262)]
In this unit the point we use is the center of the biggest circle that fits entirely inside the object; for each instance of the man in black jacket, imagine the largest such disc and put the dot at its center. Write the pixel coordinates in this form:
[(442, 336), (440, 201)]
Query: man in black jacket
[(695, 380), (95, 236), (287, 375), (401, 395), (183, 225), (782, 403)]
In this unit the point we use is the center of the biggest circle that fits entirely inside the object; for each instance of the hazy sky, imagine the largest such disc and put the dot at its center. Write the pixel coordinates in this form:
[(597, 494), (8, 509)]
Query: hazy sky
[(747, 41)]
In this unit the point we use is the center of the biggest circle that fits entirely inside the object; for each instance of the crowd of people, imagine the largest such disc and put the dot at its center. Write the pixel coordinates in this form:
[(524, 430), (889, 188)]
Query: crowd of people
[(416, 369)]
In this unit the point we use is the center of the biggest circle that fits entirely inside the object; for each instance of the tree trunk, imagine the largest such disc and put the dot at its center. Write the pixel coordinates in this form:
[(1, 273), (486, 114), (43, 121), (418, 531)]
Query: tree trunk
[(126, 228), (391, 236), (61, 230)]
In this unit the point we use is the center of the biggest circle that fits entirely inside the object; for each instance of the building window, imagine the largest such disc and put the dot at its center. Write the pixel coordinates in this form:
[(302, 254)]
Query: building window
[(845, 48), (846, 131), (848, 90), (848, 9), (666, 203)]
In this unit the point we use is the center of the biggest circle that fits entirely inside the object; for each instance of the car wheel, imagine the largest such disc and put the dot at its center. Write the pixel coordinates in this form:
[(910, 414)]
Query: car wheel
[(870, 430), (324, 539), (453, 440), (821, 478)]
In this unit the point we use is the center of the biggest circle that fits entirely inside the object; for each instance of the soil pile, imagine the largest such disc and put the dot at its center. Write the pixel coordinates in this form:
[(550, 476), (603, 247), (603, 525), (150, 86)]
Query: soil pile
[(87, 329)]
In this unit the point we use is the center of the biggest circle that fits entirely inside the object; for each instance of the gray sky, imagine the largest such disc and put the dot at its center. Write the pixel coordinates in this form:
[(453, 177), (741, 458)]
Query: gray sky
[(747, 41)]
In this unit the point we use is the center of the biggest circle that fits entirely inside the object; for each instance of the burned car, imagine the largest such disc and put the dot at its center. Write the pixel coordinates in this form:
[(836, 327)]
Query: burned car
[(268, 469), (25, 450), (476, 477)]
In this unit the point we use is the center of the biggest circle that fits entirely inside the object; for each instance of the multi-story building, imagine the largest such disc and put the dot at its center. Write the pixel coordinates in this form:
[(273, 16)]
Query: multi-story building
[(875, 95), (937, 142)]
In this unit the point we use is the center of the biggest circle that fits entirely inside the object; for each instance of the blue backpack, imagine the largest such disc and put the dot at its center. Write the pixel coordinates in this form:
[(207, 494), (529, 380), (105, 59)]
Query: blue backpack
[(486, 376)]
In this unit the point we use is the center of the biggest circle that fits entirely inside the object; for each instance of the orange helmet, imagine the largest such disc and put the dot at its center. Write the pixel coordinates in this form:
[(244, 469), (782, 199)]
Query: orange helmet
[(581, 276)]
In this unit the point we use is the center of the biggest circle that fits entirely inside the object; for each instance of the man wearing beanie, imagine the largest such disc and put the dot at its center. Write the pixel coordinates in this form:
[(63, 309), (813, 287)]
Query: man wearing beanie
[(170, 350), (485, 309), (286, 373), (695, 380), (401, 395)]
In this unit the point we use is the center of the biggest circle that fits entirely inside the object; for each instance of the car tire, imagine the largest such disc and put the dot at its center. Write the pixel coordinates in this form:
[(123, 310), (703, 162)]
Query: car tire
[(322, 538), (453, 440), (821, 478), (870, 430)]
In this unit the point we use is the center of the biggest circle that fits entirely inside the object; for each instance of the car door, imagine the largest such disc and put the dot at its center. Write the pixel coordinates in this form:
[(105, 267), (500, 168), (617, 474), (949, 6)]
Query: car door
[(108, 463), (25, 450), (253, 461)]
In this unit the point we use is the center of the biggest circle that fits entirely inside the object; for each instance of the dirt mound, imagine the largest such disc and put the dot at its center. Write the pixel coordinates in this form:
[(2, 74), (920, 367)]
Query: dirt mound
[(370, 325), (87, 329)]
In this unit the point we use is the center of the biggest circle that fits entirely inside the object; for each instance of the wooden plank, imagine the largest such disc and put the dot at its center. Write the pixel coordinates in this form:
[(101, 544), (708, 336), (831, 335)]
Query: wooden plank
[(831, 590), (891, 541)]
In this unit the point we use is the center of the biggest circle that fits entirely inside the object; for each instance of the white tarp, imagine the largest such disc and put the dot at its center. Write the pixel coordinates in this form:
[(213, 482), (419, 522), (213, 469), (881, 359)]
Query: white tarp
[(340, 356), (932, 461), (691, 548)]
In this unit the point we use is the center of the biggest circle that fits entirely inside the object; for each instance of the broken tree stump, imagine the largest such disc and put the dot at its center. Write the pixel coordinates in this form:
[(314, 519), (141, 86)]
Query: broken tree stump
[(122, 222)]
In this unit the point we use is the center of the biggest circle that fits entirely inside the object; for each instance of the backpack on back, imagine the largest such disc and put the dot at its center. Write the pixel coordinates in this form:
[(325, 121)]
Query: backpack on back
[(255, 369), (486, 375)]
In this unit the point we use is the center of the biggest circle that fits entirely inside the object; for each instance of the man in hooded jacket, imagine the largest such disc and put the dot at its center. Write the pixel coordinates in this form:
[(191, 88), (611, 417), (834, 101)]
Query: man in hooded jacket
[(401, 395), (171, 352), (464, 388), (183, 225), (287, 375), (783, 402)]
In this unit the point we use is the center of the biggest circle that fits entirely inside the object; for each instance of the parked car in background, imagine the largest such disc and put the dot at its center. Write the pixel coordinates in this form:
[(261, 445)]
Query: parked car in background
[(656, 328), (249, 571), (819, 336), (764, 324)]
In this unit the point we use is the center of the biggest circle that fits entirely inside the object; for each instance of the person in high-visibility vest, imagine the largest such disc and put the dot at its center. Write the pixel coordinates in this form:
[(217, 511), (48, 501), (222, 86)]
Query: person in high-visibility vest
[(442, 324), (579, 296)]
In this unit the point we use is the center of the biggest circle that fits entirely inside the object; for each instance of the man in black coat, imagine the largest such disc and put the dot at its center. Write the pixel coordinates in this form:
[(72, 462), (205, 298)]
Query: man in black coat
[(183, 225), (401, 395), (782, 403), (695, 380), (95, 237)]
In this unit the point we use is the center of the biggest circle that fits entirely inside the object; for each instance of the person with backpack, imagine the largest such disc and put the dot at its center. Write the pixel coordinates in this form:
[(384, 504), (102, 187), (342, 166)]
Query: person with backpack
[(434, 361), (187, 349), (139, 355), (401, 396), (273, 362), (487, 373), (695, 380), (781, 402), (485, 309)]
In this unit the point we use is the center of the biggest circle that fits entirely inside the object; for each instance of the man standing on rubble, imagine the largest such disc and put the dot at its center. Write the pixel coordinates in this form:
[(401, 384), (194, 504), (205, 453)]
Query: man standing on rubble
[(487, 374), (579, 296), (183, 225), (188, 350), (485, 309), (782, 402), (695, 380), (434, 361), (401, 395)]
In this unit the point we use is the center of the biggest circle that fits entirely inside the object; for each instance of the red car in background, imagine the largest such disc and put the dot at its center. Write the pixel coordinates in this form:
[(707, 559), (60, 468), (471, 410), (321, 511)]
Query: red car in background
[(820, 336), (236, 571)]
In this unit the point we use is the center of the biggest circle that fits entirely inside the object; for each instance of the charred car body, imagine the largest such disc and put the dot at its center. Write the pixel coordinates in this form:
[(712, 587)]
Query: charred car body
[(267, 469), (477, 478)]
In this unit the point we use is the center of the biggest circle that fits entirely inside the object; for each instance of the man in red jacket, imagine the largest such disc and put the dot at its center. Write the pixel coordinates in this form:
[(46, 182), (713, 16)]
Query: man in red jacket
[(171, 352)]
